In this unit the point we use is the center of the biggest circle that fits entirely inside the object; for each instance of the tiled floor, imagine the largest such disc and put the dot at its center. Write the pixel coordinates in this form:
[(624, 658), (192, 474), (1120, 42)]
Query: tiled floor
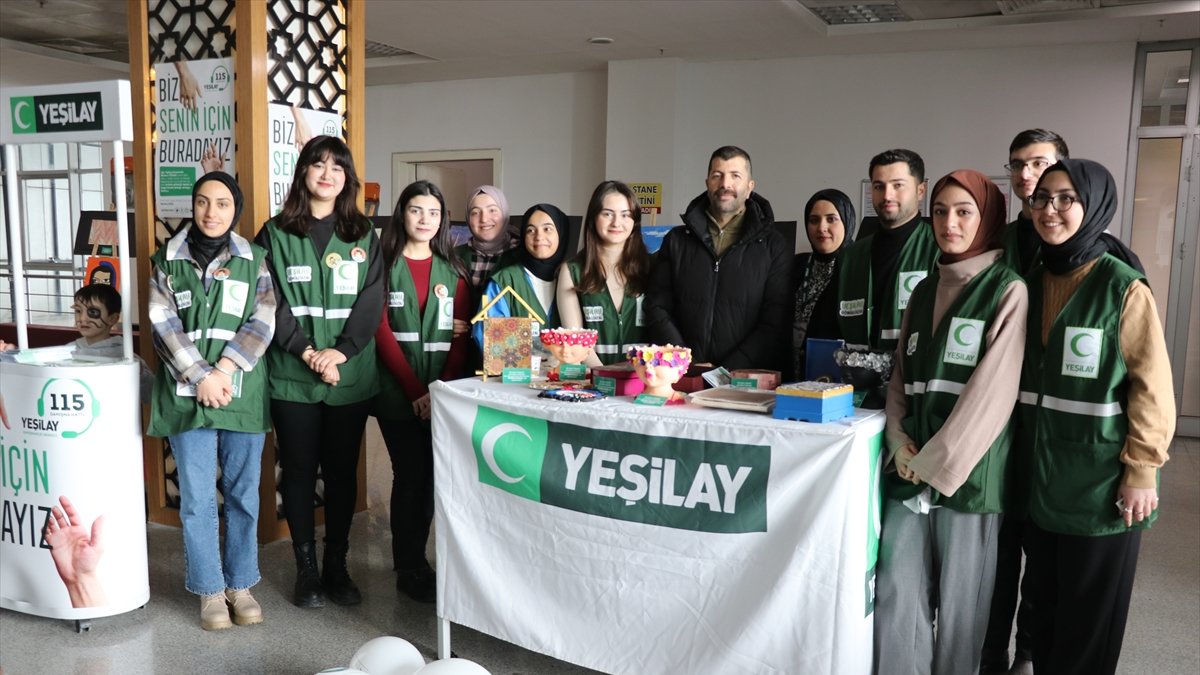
[(1163, 634)]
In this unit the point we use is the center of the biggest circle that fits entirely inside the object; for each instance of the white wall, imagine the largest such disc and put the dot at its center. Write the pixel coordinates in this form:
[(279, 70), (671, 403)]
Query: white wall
[(23, 69), (815, 122), (550, 130), (808, 123)]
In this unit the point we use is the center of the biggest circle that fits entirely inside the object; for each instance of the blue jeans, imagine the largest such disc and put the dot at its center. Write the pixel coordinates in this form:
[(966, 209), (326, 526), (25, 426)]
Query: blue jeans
[(198, 453)]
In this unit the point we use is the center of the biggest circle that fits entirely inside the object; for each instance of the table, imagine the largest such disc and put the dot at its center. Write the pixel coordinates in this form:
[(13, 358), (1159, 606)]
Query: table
[(635, 539)]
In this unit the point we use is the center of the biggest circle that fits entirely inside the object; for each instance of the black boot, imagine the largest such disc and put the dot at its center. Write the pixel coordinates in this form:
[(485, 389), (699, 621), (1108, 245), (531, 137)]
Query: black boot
[(308, 580), (339, 587), (419, 583)]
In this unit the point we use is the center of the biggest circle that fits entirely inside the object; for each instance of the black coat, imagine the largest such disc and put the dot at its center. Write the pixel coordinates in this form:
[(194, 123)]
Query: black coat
[(735, 311)]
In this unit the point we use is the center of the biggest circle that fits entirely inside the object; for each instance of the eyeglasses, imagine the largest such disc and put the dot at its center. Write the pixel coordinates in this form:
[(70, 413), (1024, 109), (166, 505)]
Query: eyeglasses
[(1036, 165), (1061, 202)]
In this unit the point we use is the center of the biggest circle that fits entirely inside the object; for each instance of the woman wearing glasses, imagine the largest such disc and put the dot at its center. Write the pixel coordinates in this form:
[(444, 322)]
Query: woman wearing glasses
[(1097, 410)]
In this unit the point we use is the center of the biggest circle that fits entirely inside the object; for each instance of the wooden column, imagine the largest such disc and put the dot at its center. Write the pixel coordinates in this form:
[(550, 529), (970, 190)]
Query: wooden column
[(140, 79)]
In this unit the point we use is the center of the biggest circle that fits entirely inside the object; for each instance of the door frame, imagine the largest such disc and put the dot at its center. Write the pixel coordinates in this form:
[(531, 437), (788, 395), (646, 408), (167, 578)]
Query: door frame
[(1187, 208)]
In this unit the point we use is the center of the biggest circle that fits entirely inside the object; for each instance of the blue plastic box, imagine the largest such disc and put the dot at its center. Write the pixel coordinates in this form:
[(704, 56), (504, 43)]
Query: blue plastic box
[(816, 402)]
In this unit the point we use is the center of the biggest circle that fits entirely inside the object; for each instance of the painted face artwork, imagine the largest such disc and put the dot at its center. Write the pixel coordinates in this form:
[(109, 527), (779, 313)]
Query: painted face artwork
[(93, 320)]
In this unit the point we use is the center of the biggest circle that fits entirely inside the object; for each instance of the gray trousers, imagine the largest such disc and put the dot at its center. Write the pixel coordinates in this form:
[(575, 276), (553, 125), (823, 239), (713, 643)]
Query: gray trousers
[(938, 566)]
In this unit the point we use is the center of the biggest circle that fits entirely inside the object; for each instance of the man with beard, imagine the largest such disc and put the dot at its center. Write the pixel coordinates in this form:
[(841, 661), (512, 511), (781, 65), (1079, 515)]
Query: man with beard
[(720, 281), (879, 272)]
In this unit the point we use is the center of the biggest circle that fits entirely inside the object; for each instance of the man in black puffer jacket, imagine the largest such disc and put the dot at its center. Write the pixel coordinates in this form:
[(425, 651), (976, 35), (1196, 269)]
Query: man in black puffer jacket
[(720, 281)]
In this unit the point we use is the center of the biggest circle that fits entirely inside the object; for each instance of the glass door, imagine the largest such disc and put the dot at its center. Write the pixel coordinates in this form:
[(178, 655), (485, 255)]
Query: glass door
[(1162, 205)]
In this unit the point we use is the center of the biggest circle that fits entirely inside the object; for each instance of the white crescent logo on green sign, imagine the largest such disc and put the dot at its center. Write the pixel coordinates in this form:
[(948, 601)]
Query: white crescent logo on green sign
[(488, 447), (22, 114)]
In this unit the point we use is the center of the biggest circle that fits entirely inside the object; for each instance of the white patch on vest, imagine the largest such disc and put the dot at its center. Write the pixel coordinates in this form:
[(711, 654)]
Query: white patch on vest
[(396, 299), (593, 313), (906, 283), (299, 274), (639, 317), (233, 296), (1081, 352), (911, 348), (963, 341), (183, 299), (345, 278), (852, 307), (445, 313)]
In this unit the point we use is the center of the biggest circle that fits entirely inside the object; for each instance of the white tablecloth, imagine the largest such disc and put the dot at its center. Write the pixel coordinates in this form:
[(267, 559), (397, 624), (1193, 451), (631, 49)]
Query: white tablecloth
[(673, 540)]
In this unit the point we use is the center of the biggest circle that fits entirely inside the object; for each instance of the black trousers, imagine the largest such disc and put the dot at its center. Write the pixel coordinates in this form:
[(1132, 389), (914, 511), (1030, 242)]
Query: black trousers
[(410, 445), (328, 436), (1004, 597), (1081, 589)]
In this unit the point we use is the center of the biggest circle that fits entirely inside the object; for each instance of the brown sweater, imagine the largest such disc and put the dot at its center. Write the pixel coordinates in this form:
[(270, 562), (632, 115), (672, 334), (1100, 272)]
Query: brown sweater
[(1150, 401), (987, 400)]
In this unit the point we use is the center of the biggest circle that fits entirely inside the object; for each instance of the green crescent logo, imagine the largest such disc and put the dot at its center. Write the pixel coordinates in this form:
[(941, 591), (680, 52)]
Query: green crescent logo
[(238, 291), (1075, 345), (958, 335), (509, 451), (343, 271), (911, 281)]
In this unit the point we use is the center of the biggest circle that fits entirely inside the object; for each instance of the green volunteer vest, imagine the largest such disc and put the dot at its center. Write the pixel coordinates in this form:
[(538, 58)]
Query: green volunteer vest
[(1072, 407), (209, 326), (856, 288), (937, 363), (515, 276), (321, 299), (617, 330), (424, 344), (1012, 249)]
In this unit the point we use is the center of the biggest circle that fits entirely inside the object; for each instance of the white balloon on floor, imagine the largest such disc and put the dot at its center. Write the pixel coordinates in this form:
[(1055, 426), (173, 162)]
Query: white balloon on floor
[(341, 670), (387, 655), (453, 667)]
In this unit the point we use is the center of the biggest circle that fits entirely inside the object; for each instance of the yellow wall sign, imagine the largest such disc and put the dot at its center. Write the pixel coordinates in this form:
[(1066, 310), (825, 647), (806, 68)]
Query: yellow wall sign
[(650, 195)]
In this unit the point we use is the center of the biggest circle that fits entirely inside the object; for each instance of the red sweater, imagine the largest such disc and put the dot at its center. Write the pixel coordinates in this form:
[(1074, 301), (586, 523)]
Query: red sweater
[(389, 349)]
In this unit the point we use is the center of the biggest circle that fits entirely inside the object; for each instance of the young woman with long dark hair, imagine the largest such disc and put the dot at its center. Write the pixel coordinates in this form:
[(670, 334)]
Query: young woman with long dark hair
[(426, 292), (603, 286), (325, 261)]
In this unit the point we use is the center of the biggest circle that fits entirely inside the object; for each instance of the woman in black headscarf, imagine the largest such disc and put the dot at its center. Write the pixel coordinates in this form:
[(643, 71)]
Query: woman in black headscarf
[(533, 276), (212, 313), (829, 224), (1098, 413)]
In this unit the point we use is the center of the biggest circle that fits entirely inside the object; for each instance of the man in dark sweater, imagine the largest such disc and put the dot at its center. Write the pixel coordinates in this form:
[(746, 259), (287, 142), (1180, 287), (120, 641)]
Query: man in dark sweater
[(1029, 155), (879, 272), (720, 281)]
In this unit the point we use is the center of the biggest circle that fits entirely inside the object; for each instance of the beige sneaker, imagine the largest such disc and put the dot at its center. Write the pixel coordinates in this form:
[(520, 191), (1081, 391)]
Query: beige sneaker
[(246, 610), (214, 613)]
